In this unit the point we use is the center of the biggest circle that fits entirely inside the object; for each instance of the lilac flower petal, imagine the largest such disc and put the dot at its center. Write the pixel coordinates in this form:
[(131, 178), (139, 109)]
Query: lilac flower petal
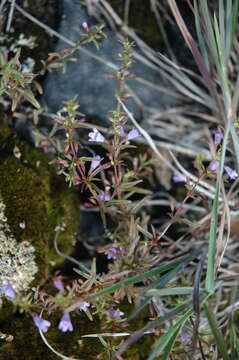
[(111, 253), (96, 136), (185, 335), (218, 136), (122, 132), (213, 166), (133, 134), (232, 173), (104, 196), (65, 323), (9, 291), (177, 177), (42, 324), (84, 306), (58, 284), (96, 162), (115, 314)]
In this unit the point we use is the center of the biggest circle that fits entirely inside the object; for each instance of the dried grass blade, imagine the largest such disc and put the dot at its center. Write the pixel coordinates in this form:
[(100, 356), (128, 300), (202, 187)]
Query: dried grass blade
[(194, 50)]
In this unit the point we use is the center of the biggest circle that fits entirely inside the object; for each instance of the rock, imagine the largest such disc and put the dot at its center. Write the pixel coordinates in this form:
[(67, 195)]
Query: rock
[(86, 78)]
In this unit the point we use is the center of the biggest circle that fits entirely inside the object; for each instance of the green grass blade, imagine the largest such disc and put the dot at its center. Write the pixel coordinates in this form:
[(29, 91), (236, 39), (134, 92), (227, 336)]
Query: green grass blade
[(222, 69), (209, 29), (222, 347), (229, 30), (222, 22), (235, 140), (148, 274), (187, 290), (209, 285), (201, 41), (234, 20), (159, 283), (164, 345), (138, 334), (234, 342)]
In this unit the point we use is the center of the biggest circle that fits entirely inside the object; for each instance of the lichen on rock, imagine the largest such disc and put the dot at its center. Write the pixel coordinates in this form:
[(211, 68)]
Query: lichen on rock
[(17, 264)]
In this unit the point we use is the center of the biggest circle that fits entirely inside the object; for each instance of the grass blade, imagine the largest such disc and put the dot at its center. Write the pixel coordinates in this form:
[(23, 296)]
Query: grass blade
[(229, 29), (165, 343), (138, 334), (234, 342), (194, 49), (148, 274), (209, 285), (201, 41), (159, 283), (216, 333), (187, 290)]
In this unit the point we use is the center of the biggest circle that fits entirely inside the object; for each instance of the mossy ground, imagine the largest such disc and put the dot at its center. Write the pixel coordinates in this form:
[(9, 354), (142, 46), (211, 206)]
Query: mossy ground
[(34, 195), (27, 343)]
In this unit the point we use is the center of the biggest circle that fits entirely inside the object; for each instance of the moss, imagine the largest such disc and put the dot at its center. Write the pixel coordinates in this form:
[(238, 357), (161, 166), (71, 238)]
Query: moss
[(23, 328), (35, 195)]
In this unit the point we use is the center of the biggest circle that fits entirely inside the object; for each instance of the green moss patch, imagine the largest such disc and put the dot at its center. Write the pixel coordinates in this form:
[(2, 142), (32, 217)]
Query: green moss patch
[(36, 199)]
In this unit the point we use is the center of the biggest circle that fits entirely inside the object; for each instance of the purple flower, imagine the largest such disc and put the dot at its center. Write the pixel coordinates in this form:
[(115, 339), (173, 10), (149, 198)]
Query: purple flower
[(213, 166), (122, 132), (96, 162), (185, 335), (85, 26), (104, 196), (111, 253), (96, 136), (65, 323), (133, 134), (115, 314), (177, 177), (218, 136), (84, 306), (8, 291), (42, 324), (232, 173), (58, 284)]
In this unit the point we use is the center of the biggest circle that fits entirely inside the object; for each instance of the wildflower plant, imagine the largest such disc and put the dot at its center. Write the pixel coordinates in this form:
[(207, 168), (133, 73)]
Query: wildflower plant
[(14, 82), (113, 177)]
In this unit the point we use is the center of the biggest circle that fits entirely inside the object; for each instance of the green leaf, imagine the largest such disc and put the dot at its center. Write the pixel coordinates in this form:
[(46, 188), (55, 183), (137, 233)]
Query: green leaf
[(28, 95), (118, 202), (139, 190)]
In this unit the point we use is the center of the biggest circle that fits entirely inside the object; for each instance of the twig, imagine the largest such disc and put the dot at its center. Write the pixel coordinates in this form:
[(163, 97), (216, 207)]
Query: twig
[(3, 2), (68, 257)]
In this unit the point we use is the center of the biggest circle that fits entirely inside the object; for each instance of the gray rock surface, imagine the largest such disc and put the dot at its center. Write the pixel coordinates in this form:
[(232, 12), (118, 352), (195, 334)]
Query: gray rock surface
[(87, 79)]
